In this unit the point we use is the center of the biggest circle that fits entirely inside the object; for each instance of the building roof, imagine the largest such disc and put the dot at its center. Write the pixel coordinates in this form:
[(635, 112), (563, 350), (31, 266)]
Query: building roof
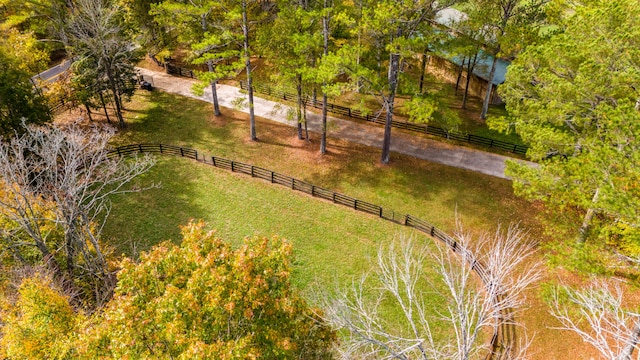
[(448, 17), (483, 67)]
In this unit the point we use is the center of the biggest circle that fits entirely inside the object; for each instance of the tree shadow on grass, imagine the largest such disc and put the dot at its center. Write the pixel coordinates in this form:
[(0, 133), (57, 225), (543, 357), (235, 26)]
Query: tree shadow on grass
[(431, 191)]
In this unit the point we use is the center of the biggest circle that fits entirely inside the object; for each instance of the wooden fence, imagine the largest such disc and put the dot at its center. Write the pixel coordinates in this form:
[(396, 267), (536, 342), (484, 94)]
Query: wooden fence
[(379, 118), (504, 336), (294, 184)]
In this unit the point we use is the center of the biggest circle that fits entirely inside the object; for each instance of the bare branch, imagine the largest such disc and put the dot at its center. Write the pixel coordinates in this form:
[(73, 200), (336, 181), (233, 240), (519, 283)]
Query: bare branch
[(473, 303), (64, 178), (597, 316)]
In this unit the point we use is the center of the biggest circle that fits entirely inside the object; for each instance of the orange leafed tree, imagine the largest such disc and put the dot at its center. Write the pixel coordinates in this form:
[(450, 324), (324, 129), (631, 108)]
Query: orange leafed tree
[(203, 299)]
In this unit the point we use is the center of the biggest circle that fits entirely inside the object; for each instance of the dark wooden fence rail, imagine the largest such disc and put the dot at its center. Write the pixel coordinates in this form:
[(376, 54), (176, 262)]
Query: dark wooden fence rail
[(308, 188), (379, 118), (176, 70), (502, 339)]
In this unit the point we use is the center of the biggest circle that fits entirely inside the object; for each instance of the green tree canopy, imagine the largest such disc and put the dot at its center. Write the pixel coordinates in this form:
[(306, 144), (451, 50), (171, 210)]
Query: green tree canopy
[(573, 100), (19, 102)]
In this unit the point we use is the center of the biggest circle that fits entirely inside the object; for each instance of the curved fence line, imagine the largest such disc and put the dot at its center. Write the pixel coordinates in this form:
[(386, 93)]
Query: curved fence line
[(502, 339)]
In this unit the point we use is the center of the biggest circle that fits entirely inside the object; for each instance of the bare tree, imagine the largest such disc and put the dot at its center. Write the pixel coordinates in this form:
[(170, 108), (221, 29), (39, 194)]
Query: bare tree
[(474, 303), (100, 47), (597, 315), (62, 179)]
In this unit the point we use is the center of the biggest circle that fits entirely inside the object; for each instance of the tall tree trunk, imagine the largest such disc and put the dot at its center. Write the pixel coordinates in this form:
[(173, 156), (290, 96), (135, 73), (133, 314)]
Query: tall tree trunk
[(104, 107), (214, 92), (315, 90), (116, 97), (70, 237), (245, 32), (306, 129), (631, 344), (299, 104), (487, 96), (470, 67), (88, 111), (460, 69), (394, 62), (325, 33), (423, 69), (586, 222)]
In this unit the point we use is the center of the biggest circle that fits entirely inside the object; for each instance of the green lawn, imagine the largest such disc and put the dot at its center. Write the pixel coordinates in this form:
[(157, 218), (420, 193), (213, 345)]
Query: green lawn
[(430, 191), (332, 244)]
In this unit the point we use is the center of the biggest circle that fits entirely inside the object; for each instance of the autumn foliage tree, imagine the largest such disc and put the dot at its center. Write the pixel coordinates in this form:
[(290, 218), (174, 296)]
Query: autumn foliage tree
[(203, 299), (40, 323), (200, 300)]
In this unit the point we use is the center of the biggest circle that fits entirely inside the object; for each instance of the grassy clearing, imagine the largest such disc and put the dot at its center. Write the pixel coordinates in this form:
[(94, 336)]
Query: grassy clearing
[(238, 206), (331, 243), (436, 193)]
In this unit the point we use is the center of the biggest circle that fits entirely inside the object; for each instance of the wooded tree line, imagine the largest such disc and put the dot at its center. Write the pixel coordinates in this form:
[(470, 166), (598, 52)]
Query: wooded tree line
[(571, 92), (317, 46), (328, 48)]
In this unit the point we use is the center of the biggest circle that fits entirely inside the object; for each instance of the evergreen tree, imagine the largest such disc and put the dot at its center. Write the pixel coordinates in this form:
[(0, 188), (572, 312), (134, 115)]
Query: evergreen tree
[(573, 100), (19, 102)]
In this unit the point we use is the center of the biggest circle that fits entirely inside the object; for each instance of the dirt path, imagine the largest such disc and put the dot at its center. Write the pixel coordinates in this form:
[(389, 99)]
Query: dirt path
[(426, 149)]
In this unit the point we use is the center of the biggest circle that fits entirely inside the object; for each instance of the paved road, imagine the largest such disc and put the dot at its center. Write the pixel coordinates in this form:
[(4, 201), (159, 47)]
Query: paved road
[(431, 150), (50, 74)]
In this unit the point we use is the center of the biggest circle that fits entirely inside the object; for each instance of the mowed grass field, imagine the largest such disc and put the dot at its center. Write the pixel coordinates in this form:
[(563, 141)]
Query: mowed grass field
[(332, 244), (433, 192)]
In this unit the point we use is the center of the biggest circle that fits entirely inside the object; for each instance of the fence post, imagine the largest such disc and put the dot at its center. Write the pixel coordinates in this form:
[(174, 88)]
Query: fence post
[(252, 175), (334, 196), (293, 183), (406, 220), (380, 211), (491, 145), (181, 152), (213, 160), (355, 204), (433, 228), (514, 148), (196, 155), (313, 190), (140, 147), (272, 177), (349, 112), (118, 149), (160, 148), (232, 167)]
